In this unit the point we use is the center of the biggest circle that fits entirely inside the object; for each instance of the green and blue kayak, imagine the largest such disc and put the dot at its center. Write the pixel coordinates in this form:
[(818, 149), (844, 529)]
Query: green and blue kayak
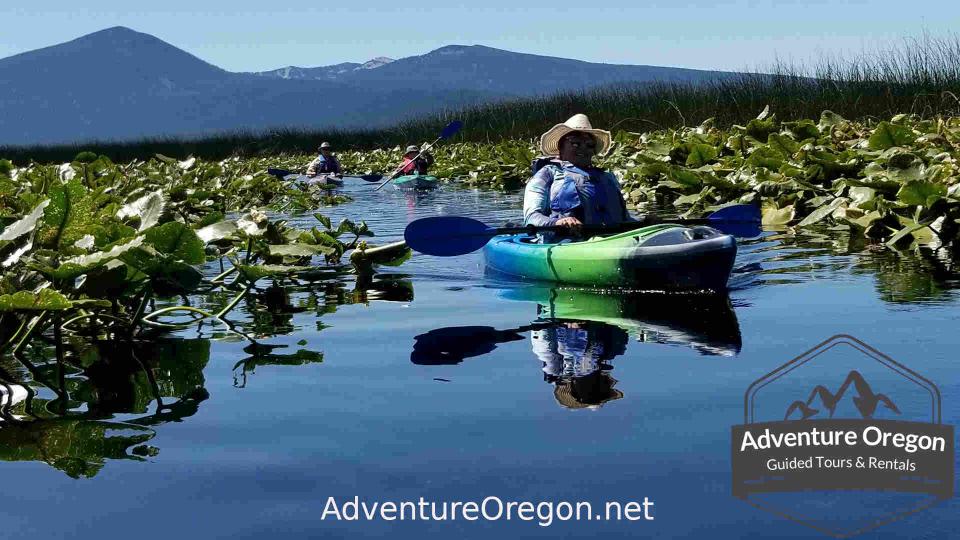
[(416, 181), (662, 257)]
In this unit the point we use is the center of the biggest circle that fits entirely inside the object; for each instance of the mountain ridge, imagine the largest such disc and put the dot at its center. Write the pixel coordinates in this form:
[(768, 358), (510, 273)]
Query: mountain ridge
[(121, 84)]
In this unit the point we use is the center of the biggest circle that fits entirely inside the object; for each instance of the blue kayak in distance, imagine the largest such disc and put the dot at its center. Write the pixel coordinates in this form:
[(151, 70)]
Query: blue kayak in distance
[(416, 182)]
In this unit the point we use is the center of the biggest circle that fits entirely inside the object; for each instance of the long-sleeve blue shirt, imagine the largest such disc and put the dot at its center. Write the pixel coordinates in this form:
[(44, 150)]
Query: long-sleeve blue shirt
[(605, 205)]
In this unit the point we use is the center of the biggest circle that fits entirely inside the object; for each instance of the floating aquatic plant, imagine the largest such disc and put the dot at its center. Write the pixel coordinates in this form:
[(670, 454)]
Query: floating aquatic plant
[(91, 244)]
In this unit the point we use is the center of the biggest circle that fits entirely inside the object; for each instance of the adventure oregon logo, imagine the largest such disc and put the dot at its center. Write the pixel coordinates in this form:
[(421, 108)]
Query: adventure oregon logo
[(842, 439)]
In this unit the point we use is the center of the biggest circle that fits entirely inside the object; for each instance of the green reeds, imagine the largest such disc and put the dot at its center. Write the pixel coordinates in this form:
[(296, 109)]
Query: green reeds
[(920, 76)]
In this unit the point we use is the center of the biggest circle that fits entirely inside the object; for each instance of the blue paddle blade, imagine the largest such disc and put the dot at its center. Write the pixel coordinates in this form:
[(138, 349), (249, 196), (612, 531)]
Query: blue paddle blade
[(447, 236), (451, 129), (738, 229), (367, 177), (737, 213), (739, 220)]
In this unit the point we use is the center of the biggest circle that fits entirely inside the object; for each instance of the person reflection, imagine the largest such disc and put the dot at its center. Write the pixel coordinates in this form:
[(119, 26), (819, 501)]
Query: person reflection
[(575, 357)]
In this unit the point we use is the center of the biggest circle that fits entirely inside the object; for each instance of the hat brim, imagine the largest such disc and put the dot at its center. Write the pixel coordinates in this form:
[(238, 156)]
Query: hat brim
[(563, 392), (549, 141)]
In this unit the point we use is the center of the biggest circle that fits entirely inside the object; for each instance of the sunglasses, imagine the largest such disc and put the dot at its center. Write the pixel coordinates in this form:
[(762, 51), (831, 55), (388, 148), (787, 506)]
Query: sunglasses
[(587, 143)]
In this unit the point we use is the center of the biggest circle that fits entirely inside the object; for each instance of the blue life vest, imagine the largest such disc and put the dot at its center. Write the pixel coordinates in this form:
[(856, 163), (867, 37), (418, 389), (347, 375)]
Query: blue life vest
[(327, 165), (583, 195)]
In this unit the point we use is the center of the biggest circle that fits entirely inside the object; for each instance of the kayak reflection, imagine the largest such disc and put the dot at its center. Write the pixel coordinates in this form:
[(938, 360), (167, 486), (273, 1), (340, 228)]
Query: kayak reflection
[(578, 333), (706, 323)]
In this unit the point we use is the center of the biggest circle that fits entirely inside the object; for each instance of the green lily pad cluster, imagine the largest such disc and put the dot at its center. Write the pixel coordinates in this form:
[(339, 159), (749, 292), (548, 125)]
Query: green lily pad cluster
[(893, 181), (503, 165), (87, 245)]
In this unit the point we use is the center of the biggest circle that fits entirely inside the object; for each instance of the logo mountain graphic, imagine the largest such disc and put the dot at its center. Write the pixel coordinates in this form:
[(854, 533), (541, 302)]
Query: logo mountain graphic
[(822, 486), (865, 400)]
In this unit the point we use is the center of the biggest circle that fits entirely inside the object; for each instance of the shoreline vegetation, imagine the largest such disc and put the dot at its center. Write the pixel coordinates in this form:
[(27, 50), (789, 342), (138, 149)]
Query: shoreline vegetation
[(921, 77)]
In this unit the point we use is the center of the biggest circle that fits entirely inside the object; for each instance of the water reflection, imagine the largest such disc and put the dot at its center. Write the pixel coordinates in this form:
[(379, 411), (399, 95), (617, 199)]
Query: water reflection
[(577, 333), (78, 403), (574, 355), (78, 448), (924, 275), (263, 355), (706, 323), (94, 403)]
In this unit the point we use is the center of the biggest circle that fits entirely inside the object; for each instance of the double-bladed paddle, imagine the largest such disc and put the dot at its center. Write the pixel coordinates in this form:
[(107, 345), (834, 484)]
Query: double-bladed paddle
[(283, 173), (449, 131), (448, 236), (450, 346)]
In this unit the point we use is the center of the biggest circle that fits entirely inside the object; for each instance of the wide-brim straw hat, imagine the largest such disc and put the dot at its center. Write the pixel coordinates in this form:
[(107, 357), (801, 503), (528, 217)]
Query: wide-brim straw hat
[(549, 141), (589, 392)]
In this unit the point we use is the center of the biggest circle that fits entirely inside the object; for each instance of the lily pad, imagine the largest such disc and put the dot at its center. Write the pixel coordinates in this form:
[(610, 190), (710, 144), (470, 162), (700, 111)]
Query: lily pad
[(148, 208), (902, 234), (821, 213), (77, 266), (782, 144), (862, 197), (888, 135), (217, 231), (253, 273), (829, 120), (254, 223), (177, 240), (299, 250), (700, 155), (24, 225), (778, 216), (63, 208), (45, 300), (921, 193)]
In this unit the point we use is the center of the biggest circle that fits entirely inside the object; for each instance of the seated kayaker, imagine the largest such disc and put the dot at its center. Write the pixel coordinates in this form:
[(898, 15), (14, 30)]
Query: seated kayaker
[(566, 188), (413, 163), (325, 163)]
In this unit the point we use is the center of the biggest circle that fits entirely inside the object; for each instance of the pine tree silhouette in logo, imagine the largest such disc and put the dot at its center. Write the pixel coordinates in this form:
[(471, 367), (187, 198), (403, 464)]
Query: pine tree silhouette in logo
[(865, 400)]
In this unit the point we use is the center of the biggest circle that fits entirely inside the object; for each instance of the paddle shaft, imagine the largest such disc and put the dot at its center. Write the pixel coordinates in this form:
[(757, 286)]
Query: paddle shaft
[(285, 172), (619, 227)]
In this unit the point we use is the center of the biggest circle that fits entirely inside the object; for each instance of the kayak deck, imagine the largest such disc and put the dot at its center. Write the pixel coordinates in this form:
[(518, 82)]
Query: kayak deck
[(416, 181), (322, 179), (656, 257)]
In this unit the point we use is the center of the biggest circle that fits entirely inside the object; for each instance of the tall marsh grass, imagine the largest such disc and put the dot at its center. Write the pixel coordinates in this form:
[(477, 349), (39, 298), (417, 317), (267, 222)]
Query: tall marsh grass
[(920, 76)]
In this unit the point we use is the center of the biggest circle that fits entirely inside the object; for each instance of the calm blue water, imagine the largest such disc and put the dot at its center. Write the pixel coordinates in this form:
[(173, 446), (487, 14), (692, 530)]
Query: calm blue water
[(257, 440)]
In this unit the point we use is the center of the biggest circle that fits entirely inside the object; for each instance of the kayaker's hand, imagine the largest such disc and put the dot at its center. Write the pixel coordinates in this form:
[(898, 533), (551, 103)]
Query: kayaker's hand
[(571, 222)]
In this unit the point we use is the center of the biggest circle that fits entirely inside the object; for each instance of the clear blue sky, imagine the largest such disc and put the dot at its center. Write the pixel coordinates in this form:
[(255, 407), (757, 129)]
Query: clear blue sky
[(250, 36)]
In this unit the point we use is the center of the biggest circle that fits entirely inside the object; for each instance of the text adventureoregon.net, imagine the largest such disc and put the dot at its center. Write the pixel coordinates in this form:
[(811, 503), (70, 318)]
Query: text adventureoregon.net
[(489, 509)]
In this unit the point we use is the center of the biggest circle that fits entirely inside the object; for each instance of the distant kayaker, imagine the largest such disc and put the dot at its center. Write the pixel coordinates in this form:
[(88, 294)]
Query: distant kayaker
[(325, 163), (566, 188), (413, 163)]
